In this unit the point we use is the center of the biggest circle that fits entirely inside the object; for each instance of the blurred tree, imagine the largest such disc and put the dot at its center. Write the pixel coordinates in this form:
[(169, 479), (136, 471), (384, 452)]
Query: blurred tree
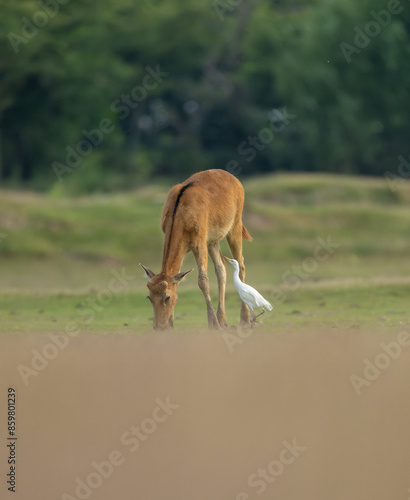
[(103, 98)]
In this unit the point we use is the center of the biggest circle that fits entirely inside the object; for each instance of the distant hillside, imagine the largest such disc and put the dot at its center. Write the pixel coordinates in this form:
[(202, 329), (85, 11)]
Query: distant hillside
[(284, 213)]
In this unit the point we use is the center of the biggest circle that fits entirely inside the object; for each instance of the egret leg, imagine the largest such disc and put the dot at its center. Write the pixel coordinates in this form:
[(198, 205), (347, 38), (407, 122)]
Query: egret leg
[(260, 314), (253, 319)]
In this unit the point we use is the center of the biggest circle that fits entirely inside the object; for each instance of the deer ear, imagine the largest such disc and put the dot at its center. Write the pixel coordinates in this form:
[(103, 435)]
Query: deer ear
[(147, 272), (180, 276)]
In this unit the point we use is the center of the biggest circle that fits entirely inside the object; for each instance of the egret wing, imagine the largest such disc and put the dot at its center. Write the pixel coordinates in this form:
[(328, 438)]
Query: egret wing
[(251, 296), (248, 298), (248, 295)]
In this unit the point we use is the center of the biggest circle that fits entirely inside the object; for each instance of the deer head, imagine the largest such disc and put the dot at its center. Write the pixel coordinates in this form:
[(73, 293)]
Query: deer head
[(163, 296)]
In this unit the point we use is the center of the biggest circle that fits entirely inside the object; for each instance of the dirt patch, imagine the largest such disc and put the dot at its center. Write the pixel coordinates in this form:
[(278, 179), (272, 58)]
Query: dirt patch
[(180, 417)]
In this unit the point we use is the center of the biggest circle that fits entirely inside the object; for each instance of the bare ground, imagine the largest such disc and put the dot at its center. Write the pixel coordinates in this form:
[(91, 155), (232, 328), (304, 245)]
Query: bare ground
[(231, 417)]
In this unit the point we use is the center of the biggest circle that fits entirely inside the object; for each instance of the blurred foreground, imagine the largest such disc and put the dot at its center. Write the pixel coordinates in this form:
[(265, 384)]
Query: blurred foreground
[(230, 416)]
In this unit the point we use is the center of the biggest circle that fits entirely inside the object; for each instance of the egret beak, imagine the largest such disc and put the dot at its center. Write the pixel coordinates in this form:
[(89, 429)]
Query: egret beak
[(228, 259)]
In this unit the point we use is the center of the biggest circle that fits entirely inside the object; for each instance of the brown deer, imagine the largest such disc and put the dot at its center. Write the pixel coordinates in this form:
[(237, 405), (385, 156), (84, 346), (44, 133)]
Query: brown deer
[(196, 216)]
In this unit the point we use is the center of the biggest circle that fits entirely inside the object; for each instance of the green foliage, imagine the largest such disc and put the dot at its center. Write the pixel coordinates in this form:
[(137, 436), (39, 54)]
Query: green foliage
[(224, 70)]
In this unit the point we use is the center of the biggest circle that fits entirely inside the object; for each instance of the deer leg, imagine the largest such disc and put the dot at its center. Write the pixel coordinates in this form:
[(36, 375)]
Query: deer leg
[(220, 271), (201, 257), (234, 238)]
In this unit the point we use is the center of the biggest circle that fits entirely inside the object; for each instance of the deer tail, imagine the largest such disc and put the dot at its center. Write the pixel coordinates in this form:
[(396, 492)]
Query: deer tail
[(245, 234)]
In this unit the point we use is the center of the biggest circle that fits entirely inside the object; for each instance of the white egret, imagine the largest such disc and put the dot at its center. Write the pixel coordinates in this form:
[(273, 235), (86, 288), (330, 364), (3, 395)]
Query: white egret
[(249, 295)]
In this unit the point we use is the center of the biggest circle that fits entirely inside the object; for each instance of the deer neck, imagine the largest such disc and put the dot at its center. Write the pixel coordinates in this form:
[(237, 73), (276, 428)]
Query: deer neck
[(174, 252)]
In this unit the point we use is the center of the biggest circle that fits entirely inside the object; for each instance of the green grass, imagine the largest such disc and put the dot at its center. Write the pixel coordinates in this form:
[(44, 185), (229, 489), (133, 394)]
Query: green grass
[(91, 228), (368, 306), (58, 253)]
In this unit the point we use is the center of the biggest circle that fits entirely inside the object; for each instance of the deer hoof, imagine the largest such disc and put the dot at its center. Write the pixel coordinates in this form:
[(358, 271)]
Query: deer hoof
[(213, 324)]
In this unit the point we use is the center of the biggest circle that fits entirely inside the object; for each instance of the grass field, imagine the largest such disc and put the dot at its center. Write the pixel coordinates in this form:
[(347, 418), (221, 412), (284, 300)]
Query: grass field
[(331, 254), (58, 256)]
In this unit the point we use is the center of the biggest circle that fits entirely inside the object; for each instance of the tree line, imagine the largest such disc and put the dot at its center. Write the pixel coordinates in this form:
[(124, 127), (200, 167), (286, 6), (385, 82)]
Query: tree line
[(98, 96)]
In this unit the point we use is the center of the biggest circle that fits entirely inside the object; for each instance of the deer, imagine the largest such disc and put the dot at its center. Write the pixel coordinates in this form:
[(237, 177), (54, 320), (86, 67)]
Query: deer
[(197, 215)]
